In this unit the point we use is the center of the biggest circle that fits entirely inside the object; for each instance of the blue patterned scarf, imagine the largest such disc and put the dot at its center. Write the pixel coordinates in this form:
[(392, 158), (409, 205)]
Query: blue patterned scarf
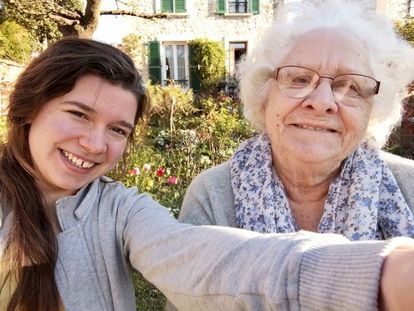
[(364, 201)]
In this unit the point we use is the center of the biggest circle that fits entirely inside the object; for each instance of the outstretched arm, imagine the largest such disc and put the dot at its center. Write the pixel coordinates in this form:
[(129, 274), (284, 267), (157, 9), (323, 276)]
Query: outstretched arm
[(218, 268)]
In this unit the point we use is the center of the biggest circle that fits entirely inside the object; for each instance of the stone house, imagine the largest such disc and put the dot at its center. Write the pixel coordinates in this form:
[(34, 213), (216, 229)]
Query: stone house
[(237, 24)]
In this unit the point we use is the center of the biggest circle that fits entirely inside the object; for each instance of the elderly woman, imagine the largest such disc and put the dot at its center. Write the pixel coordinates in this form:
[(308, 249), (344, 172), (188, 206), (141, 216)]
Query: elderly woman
[(323, 88)]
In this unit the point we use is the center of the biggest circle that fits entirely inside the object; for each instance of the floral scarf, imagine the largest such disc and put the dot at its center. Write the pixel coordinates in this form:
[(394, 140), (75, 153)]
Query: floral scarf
[(364, 201)]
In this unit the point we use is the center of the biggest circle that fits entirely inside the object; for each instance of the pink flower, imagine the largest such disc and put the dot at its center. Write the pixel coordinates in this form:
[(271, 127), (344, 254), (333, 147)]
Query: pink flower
[(146, 167), (172, 180), (134, 172), (160, 171)]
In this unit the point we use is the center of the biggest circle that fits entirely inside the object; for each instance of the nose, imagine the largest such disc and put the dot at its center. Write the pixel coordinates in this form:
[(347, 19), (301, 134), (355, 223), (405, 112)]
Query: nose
[(322, 99), (94, 140)]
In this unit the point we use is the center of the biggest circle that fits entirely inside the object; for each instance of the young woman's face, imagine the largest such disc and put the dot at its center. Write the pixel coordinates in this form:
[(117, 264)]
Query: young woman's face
[(81, 135)]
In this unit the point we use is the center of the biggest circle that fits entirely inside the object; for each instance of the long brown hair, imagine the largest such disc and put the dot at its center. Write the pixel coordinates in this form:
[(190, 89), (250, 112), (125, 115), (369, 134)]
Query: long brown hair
[(31, 248)]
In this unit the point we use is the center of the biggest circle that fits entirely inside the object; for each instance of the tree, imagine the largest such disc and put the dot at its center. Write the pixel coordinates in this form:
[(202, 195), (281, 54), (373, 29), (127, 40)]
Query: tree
[(16, 43), (51, 19), (406, 29)]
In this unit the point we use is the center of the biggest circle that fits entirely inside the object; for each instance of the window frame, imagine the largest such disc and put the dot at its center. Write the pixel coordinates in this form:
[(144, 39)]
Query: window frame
[(222, 7), (164, 80), (174, 8)]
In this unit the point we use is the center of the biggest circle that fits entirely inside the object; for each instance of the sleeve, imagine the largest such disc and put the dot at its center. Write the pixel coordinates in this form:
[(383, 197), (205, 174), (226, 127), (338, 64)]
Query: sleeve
[(220, 268), (209, 199)]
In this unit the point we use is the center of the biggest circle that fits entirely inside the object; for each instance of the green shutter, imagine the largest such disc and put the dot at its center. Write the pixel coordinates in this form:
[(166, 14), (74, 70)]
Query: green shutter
[(254, 6), (154, 62), (179, 6), (194, 71), (167, 6), (221, 6)]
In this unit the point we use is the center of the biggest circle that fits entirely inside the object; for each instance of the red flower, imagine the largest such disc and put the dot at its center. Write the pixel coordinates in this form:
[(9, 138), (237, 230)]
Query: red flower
[(172, 180), (160, 171)]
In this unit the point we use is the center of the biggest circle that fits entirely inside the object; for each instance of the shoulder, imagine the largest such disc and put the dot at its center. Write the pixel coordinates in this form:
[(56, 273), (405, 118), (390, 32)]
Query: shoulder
[(213, 179), (115, 197), (403, 171), (402, 168), (209, 198)]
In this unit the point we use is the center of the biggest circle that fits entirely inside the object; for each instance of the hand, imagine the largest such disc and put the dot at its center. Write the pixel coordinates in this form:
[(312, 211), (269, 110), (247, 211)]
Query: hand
[(397, 280)]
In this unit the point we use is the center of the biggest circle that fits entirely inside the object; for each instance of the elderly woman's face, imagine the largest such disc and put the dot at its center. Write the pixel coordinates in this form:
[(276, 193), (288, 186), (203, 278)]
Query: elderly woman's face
[(318, 127)]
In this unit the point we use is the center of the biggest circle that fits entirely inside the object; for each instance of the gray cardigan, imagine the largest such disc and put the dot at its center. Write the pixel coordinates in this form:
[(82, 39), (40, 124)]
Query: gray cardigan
[(107, 229), (210, 201)]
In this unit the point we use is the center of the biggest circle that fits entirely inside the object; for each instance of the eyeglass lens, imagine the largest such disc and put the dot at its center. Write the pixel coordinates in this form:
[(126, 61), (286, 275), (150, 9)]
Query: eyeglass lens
[(299, 82)]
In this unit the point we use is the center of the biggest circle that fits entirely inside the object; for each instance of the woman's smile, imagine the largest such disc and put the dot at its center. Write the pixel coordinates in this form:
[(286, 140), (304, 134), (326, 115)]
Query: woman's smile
[(76, 161)]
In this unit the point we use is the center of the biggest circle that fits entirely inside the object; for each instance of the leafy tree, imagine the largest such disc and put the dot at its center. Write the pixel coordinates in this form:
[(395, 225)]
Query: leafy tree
[(51, 19), (207, 62), (406, 29), (16, 44)]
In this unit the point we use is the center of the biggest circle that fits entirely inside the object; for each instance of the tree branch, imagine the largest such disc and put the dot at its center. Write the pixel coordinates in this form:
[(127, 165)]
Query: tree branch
[(130, 13)]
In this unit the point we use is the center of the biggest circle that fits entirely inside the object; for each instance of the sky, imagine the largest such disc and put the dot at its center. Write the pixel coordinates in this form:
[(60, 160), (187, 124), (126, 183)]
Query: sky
[(111, 29)]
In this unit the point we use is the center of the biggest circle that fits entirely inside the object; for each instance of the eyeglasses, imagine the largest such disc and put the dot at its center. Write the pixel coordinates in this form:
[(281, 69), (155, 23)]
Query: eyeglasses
[(348, 89)]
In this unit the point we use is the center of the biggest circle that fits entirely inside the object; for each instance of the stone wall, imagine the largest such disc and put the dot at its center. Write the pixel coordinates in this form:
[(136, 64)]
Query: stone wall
[(8, 74), (395, 9)]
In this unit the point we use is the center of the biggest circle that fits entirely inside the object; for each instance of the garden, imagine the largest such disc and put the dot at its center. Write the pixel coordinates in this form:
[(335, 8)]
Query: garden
[(182, 135)]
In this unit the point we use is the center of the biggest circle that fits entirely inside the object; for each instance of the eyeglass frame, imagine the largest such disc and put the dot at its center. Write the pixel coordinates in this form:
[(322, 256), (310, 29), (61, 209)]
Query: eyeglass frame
[(276, 74)]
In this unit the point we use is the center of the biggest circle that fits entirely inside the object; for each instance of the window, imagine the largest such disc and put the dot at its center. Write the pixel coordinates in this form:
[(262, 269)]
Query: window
[(176, 64), (168, 62), (173, 6), (411, 8), (237, 6), (236, 51)]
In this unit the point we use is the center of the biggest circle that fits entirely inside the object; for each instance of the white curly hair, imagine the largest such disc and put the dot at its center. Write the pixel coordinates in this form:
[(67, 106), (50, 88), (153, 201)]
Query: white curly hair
[(391, 58)]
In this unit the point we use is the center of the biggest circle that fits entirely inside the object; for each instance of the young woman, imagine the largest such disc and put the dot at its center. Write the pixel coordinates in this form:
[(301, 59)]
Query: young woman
[(69, 236)]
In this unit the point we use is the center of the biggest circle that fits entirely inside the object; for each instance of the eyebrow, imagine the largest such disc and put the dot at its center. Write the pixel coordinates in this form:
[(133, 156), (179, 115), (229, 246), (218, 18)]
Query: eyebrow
[(90, 109)]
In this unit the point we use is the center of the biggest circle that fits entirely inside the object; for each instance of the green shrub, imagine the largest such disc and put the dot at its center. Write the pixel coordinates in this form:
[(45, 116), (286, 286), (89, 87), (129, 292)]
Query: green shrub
[(3, 128), (207, 59)]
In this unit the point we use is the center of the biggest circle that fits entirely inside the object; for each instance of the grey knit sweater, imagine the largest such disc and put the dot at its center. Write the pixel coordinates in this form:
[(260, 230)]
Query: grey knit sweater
[(108, 229), (210, 201)]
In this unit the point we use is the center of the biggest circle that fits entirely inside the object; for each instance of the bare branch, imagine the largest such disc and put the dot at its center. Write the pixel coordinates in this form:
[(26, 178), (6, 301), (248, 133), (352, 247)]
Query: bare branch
[(130, 13)]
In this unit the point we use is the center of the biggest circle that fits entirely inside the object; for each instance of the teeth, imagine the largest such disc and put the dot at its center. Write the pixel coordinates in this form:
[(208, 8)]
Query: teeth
[(312, 128), (76, 161)]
